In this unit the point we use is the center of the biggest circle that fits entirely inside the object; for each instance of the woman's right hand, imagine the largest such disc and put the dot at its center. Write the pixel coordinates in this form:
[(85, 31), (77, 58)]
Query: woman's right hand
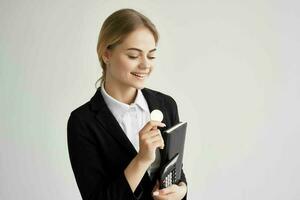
[(150, 138)]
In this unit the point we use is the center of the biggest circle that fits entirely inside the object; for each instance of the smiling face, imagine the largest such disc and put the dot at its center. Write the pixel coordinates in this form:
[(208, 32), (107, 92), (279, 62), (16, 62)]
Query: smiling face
[(132, 61)]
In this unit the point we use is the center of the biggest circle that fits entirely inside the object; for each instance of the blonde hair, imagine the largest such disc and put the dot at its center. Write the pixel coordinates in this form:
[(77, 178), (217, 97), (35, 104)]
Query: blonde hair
[(114, 30)]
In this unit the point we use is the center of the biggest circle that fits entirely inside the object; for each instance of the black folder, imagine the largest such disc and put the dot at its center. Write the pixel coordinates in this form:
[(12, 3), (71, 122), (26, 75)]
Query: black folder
[(172, 154)]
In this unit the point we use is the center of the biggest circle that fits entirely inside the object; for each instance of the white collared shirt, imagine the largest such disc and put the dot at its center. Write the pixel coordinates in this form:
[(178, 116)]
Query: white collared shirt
[(132, 118)]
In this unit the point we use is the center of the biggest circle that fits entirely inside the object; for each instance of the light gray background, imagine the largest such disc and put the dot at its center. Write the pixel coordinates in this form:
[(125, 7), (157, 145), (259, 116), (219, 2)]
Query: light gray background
[(232, 66)]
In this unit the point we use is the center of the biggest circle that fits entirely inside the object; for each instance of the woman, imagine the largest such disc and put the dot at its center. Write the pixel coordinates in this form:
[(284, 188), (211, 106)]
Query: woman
[(114, 147)]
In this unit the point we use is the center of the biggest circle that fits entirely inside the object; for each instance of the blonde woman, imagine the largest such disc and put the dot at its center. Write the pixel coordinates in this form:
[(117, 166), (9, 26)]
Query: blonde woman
[(114, 147)]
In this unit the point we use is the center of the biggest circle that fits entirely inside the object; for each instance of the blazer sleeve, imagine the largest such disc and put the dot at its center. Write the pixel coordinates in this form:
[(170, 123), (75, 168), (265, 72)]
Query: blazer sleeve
[(176, 120), (88, 167)]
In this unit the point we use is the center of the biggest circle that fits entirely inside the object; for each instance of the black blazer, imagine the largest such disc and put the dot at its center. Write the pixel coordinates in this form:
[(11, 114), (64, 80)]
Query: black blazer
[(99, 150)]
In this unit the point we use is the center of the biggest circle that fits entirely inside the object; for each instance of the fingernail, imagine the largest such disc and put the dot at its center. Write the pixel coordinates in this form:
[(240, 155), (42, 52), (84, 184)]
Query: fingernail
[(155, 193), (164, 125)]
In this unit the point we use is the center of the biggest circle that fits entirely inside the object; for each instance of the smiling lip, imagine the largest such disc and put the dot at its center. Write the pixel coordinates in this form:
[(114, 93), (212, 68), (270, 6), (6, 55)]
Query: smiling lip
[(141, 75)]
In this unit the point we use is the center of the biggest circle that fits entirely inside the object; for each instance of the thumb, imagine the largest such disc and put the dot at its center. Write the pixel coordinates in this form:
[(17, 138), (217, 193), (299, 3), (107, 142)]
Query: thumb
[(156, 186), (156, 189), (154, 128)]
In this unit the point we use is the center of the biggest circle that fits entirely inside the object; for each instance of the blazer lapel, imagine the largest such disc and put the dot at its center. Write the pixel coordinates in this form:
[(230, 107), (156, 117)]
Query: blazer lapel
[(109, 122)]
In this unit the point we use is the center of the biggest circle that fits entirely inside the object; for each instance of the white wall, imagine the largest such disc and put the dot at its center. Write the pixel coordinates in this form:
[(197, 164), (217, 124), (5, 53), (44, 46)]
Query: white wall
[(232, 66)]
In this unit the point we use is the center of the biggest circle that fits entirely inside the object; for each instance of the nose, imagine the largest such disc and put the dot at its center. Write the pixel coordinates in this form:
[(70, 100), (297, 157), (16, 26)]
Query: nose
[(145, 63)]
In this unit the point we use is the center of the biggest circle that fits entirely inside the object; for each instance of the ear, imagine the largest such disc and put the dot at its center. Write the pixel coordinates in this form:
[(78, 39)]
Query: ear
[(106, 56)]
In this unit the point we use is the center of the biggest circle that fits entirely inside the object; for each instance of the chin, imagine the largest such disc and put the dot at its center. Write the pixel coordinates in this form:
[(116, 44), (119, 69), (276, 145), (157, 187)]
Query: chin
[(138, 85), (140, 88)]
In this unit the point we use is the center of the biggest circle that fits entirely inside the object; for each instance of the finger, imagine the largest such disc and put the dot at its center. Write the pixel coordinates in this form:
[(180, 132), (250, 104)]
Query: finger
[(154, 140), (167, 196), (157, 134), (160, 138), (157, 182), (152, 124), (156, 187), (158, 196), (154, 133), (154, 143), (150, 134), (159, 144), (171, 189), (155, 127)]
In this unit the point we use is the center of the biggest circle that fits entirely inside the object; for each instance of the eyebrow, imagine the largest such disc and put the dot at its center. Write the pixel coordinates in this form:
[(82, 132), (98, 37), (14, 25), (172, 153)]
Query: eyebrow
[(140, 49)]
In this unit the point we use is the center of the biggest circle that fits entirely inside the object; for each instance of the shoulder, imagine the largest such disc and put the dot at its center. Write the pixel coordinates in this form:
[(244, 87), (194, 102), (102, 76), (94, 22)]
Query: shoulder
[(81, 110), (82, 113), (89, 108)]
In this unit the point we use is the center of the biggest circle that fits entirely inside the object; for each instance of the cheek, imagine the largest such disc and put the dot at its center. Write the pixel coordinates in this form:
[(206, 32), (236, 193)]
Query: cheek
[(152, 66), (122, 67), (125, 64)]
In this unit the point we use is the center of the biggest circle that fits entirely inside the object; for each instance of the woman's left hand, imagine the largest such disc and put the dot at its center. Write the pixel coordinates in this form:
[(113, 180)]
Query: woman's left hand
[(173, 192)]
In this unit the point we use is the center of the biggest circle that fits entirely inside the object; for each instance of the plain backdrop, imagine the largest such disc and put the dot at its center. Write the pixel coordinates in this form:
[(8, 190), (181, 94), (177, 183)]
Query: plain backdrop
[(232, 66)]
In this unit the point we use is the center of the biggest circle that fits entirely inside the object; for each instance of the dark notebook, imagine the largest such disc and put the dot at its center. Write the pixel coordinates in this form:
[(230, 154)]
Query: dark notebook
[(172, 154)]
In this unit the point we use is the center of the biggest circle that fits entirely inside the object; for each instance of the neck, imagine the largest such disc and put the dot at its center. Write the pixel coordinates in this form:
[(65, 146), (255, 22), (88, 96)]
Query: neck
[(122, 93)]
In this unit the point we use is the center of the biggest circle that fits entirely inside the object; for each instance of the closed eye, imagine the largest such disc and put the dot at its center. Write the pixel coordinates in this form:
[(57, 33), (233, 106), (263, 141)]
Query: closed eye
[(135, 57), (132, 57)]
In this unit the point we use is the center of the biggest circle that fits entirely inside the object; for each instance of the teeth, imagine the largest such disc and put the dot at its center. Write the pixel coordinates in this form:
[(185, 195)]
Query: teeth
[(139, 75)]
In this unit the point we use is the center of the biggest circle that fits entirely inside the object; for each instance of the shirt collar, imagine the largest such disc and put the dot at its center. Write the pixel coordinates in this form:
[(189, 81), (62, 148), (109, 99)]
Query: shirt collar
[(119, 108)]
